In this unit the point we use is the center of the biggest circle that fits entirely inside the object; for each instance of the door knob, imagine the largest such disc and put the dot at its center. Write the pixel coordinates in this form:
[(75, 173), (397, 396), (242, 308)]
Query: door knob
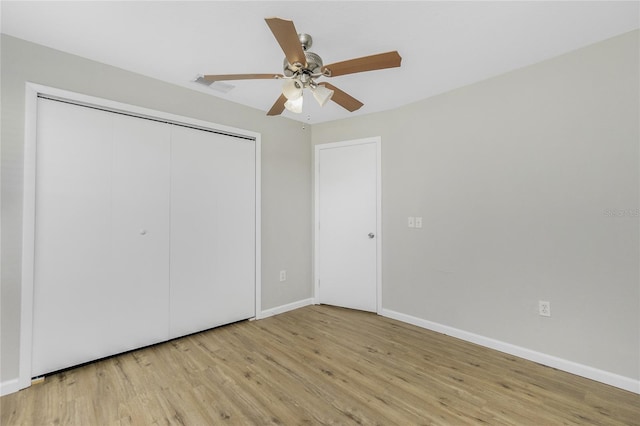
[(371, 235), (143, 232)]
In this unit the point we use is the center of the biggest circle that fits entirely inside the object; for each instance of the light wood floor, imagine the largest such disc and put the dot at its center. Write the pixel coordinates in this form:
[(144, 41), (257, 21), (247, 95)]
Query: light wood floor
[(318, 365)]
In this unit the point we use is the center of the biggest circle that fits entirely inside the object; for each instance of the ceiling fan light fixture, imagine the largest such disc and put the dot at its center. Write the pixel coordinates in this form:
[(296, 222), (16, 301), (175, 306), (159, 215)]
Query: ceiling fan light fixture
[(292, 89), (322, 94), (294, 105), (301, 66)]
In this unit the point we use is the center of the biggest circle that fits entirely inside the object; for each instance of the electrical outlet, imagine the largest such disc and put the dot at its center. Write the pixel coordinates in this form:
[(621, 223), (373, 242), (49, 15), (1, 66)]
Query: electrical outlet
[(411, 222), (544, 308), (283, 275)]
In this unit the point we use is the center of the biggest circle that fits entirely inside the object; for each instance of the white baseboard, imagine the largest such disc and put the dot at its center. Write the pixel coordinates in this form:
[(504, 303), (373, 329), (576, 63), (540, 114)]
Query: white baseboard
[(9, 386), (285, 308), (622, 382)]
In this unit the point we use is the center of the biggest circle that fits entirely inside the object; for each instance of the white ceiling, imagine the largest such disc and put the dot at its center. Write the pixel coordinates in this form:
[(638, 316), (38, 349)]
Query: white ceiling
[(444, 45)]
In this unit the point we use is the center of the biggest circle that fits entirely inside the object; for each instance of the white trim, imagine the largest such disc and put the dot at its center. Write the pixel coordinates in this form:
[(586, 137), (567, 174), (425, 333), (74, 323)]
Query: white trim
[(258, 227), (622, 382), (133, 109), (379, 224), (285, 308), (9, 386), (28, 234), (28, 224), (316, 215)]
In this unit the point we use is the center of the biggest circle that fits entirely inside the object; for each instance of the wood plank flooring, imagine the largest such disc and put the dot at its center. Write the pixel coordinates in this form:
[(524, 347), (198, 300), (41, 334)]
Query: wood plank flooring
[(318, 365)]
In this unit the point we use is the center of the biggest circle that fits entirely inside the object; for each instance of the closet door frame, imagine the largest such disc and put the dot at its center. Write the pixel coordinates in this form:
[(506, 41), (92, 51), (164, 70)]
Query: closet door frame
[(32, 92)]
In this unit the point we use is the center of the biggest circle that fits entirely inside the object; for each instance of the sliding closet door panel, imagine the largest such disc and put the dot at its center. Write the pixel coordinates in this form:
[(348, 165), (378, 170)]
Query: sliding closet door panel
[(140, 231), (94, 271), (212, 230), (73, 247)]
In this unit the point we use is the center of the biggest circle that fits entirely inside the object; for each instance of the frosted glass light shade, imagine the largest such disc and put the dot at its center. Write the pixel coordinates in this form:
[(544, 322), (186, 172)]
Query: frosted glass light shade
[(294, 105), (292, 89), (322, 94)]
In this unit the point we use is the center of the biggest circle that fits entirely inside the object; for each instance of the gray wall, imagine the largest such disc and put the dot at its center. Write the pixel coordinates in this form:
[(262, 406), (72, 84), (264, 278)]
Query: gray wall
[(515, 178), (286, 165)]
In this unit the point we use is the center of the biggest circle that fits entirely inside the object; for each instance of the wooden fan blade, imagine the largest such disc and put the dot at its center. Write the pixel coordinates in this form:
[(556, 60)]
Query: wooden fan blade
[(366, 63), (222, 77), (285, 33), (278, 107), (343, 99)]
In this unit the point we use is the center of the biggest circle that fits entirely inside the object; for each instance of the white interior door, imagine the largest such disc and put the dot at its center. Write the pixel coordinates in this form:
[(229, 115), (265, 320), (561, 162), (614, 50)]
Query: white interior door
[(212, 230), (101, 235), (347, 224)]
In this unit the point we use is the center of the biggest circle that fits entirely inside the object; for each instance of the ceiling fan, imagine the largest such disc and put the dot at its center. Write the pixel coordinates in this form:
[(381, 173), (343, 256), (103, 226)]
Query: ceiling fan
[(302, 68)]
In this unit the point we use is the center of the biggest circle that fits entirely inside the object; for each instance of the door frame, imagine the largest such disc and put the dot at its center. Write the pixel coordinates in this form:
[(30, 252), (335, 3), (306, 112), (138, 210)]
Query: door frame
[(377, 140), (32, 92)]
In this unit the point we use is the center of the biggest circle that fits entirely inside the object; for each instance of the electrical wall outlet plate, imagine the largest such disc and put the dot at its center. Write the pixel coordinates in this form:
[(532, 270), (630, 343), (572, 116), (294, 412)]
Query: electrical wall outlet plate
[(283, 275), (544, 308)]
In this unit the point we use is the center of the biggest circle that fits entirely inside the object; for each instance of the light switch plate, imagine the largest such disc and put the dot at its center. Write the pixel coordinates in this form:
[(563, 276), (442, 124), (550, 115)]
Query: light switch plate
[(411, 222), (418, 222)]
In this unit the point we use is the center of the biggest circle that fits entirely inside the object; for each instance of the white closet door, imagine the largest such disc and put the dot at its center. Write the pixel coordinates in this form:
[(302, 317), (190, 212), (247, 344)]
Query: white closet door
[(140, 230), (212, 230), (101, 179)]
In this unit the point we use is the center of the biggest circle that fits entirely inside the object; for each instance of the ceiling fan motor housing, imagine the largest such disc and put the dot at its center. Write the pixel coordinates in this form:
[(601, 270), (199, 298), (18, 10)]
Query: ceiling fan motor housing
[(314, 65)]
